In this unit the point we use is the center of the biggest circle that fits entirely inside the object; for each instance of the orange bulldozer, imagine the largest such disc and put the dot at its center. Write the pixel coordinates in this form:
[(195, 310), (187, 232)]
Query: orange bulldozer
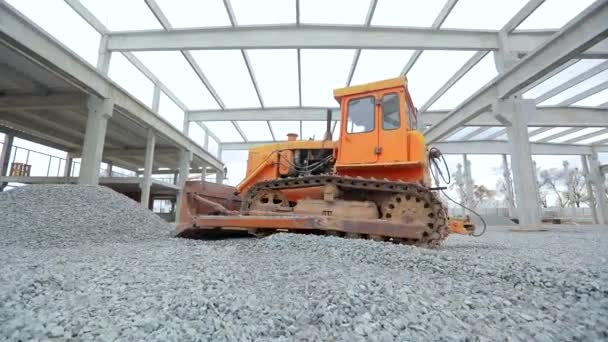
[(374, 182)]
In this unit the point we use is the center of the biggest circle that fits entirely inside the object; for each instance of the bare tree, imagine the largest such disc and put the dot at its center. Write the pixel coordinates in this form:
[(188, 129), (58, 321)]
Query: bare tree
[(566, 184), (481, 194), (549, 180), (574, 180), (459, 182)]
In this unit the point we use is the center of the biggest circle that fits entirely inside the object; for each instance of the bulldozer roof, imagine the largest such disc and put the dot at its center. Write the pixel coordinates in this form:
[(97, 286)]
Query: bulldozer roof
[(358, 89)]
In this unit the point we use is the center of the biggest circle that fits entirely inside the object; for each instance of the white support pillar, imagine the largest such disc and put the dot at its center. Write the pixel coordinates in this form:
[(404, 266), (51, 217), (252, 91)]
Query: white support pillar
[(506, 173), (206, 141), (184, 170), (67, 169), (568, 173), (599, 186), (219, 176), (156, 99), (589, 186), (104, 56), (204, 173), (5, 156), (100, 110), (514, 113), (536, 175), (468, 182), (148, 166)]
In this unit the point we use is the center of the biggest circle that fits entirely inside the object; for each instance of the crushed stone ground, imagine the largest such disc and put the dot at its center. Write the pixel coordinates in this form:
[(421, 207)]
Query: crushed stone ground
[(542, 286)]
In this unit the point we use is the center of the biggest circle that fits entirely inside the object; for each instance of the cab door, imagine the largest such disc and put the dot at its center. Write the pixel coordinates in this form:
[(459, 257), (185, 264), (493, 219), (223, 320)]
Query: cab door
[(359, 139), (392, 127)]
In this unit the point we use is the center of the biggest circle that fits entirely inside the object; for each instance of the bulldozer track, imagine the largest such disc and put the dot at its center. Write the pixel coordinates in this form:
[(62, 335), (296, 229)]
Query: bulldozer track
[(437, 226)]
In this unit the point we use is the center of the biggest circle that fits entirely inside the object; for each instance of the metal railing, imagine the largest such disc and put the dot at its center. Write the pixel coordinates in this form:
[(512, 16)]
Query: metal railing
[(47, 165)]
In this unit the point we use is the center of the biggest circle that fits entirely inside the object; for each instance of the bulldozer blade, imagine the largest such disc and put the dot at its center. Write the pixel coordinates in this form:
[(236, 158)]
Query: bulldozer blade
[(312, 224)]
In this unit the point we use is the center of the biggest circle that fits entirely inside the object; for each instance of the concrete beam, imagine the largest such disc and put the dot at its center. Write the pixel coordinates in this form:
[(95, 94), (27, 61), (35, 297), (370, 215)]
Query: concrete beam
[(441, 17), (475, 133), (130, 152), (522, 15), (453, 79), (572, 82), (560, 134), (40, 137), (51, 101), (497, 134), (27, 39), (585, 94), (368, 20), (545, 116), (548, 75), (304, 37), (45, 122), (327, 37), (538, 131), (580, 34), (586, 136)]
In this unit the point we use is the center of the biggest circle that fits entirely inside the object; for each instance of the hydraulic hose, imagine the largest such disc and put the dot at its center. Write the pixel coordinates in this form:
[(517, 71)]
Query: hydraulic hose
[(434, 155)]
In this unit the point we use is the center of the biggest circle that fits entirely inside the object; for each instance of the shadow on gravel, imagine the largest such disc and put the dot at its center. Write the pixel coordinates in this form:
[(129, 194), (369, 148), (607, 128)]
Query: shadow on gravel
[(214, 234), (465, 246)]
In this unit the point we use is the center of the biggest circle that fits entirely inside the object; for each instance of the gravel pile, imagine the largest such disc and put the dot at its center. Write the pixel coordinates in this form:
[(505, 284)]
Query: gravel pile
[(63, 215), (542, 286)]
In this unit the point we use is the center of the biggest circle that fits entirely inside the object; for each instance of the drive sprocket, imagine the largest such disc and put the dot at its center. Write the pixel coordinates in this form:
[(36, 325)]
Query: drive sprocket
[(419, 207)]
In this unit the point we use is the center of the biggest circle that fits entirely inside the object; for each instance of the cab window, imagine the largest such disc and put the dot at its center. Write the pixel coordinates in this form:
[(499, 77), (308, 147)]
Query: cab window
[(360, 115), (412, 117), (390, 112)]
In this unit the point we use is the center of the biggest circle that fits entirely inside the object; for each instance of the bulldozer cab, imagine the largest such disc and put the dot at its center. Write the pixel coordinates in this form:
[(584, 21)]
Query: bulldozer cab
[(375, 121)]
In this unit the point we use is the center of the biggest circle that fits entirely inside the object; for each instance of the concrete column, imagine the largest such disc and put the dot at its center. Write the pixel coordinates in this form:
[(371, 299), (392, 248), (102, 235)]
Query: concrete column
[(100, 110), (67, 170), (184, 170), (219, 176), (600, 188), (468, 182), (524, 178), (104, 56), (110, 167), (156, 99), (5, 154), (588, 185), (186, 125), (568, 173), (536, 175), (5, 157), (504, 58), (148, 166), (206, 142), (204, 173), (506, 173)]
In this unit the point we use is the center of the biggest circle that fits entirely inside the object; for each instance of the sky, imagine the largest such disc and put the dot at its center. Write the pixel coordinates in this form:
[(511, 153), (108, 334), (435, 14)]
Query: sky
[(322, 70)]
